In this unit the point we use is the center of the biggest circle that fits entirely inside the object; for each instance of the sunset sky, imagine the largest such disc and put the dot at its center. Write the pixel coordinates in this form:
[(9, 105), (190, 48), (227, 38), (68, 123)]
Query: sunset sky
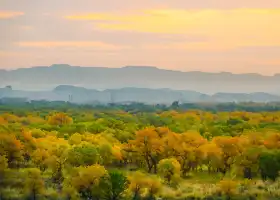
[(241, 36)]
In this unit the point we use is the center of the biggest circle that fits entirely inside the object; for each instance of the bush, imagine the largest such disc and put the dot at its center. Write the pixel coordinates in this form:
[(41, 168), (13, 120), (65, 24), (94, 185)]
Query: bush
[(269, 164)]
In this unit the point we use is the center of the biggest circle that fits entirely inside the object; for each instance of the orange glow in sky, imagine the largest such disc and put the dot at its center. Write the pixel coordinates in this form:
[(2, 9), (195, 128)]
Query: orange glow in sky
[(236, 36)]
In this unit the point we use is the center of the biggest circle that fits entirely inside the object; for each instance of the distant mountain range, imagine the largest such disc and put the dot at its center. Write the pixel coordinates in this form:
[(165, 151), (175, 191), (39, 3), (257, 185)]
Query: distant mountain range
[(82, 95), (47, 78)]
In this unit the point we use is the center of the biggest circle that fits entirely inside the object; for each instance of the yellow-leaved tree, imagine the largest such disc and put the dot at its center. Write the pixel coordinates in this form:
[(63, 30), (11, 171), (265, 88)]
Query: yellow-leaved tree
[(212, 156), (59, 119), (3, 168), (75, 139), (138, 183), (148, 145), (231, 148), (11, 148), (34, 185), (186, 148), (86, 181), (227, 187), (170, 170)]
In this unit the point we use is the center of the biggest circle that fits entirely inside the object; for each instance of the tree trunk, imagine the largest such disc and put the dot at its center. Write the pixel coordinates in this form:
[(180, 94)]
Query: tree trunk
[(148, 164), (154, 162)]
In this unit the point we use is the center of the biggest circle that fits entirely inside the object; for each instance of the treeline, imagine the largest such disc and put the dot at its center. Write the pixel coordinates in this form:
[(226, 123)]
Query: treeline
[(10, 104), (114, 154)]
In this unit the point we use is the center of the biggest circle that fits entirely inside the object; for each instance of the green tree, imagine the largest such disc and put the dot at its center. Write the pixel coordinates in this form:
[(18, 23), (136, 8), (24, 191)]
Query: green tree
[(115, 185), (83, 155), (269, 164)]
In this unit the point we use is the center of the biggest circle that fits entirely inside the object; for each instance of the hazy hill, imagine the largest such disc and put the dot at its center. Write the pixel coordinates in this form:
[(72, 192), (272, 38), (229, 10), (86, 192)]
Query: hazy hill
[(129, 94), (242, 97), (141, 95), (46, 78)]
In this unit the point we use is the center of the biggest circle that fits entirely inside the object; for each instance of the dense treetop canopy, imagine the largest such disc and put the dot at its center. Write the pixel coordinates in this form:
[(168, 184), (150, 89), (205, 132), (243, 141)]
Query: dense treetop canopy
[(63, 151)]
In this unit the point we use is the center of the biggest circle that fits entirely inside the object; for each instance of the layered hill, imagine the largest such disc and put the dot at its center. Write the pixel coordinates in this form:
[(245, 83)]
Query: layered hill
[(48, 77), (126, 95)]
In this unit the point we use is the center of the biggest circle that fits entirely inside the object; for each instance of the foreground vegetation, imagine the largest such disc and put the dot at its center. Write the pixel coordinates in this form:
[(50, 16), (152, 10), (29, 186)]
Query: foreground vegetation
[(113, 153)]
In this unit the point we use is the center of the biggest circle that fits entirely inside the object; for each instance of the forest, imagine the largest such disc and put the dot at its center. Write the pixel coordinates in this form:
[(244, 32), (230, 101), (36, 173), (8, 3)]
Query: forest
[(60, 151)]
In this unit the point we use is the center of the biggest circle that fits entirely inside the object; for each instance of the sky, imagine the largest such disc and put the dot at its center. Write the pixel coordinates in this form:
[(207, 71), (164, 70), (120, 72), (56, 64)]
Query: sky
[(241, 36)]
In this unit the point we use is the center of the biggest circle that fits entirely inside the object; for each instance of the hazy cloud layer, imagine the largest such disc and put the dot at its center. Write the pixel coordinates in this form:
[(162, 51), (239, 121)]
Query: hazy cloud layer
[(9, 14), (206, 35)]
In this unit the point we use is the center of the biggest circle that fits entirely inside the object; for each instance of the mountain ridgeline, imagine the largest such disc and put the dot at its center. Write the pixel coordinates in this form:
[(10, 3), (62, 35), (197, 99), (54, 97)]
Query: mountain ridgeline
[(47, 78), (82, 95)]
